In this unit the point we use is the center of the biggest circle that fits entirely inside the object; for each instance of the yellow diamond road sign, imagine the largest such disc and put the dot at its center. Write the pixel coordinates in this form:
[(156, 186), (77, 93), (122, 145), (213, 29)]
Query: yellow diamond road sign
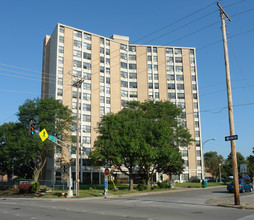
[(43, 134)]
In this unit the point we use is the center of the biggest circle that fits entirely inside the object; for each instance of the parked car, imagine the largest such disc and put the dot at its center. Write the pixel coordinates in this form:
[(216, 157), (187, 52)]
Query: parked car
[(210, 179), (245, 177), (243, 186)]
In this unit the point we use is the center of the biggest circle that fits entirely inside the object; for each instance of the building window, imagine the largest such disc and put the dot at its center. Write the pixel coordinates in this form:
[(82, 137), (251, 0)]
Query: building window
[(155, 58), (86, 107), (195, 96), (156, 76), (156, 85), (107, 51), (132, 48), (87, 86), (149, 49), (149, 66), (180, 86), (86, 128), (124, 56), (107, 80), (123, 102), (178, 59), (61, 39), (60, 60), (107, 90), (102, 99), (155, 67), (87, 36), (102, 40), (132, 66), (87, 56), (132, 57), (123, 65), (193, 70), (102, 109), (87, 76), (197, 133), (133, 85), (150, 76), (181, 104), (60, 49), (87, 46), (87, 66), (61, 29), (102, 79), (107, 100), (193, 78), (102, 69), (74, 105), (178, 51), (192, 60), (108, 70), (86, 140), (77, 43), (107, 109), (169, 50), (124, 93), (186, 164), (180, 96), (60, 81), (171, 86), (184, 153), (170, 59), (195, 105), (76, 73), (133, 94), (155, 49), (101, 50), (199, 163), (170, 68), (124, 84), (59, 92), (170, 77), (198, 153), (107, 60), (60, 70), (86, 96), (77, 53), (179, 77), (197, 143), (191, 51), (124, 74), (185, 176), (87, 118), (196, 124), (150, 85), (77, 34), (77, 63), (107, 43), (133, 75), (194, 87), (179, 68), (123, 47), (171, 95), (196, 115), (157, 95), (149, 58), (102, 60)]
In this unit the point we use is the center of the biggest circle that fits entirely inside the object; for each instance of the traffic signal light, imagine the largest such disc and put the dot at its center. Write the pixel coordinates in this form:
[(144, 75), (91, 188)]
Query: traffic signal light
[(31, 128)]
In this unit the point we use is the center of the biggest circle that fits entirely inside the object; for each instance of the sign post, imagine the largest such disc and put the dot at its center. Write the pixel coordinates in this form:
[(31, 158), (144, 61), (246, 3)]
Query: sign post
[(106, 172)]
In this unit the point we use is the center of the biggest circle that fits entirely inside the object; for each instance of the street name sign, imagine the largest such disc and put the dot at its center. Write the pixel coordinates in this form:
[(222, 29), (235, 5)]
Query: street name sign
[(43, 134), (232, 137), (52, 138)]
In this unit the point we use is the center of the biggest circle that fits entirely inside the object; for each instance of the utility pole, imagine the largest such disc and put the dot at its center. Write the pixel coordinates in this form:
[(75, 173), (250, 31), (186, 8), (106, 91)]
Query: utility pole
[(77, 84), (230, 106)]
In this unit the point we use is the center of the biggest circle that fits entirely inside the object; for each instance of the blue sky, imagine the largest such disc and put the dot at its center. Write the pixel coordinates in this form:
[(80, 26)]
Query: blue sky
[(195, 23)]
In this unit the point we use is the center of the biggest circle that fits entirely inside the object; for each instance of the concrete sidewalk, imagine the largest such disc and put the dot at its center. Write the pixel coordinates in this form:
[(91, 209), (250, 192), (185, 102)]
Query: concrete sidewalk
[(246, 201)]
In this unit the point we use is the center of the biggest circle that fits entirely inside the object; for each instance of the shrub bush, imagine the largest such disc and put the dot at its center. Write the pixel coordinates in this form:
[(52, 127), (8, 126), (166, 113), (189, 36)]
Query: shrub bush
[(194, 179), (142, 187), (35, 186), (25, 188), (164, 184)]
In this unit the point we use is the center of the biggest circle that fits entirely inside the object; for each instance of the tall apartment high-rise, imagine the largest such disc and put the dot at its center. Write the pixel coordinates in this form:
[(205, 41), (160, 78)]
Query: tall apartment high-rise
[(115, 72)]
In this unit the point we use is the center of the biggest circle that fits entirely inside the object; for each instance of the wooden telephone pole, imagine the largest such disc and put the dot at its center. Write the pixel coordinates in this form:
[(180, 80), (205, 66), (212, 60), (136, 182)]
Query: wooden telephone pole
[(230, 106)]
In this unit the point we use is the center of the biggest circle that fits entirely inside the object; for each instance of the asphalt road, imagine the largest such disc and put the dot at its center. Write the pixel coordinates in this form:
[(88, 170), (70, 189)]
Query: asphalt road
[(191, 204)]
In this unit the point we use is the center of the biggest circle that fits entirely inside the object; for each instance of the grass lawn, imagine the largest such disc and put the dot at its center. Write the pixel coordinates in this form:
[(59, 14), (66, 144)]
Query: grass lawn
[(98, 190)]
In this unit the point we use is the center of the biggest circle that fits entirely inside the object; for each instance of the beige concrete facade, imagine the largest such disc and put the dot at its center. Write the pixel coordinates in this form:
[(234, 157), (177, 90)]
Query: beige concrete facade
[(114, 63)]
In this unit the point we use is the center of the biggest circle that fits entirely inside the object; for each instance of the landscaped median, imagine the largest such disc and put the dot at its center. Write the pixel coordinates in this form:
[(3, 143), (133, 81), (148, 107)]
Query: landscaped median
[(96, 190)]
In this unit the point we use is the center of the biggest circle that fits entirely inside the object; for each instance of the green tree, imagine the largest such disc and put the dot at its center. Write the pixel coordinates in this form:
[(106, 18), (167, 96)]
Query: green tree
[(212, 161), (228, 163), (250, 164), (141, 135), (48, 114)]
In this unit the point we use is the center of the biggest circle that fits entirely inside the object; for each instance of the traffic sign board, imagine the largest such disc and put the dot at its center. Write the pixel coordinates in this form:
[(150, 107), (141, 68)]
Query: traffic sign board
[(232, 137), (243, 168), (52, 138), (106, 171), (43, 134)]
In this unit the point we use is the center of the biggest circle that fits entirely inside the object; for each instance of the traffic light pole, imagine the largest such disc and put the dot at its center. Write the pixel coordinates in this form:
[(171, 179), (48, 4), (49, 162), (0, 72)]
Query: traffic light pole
[(230, 106), (70, 192)]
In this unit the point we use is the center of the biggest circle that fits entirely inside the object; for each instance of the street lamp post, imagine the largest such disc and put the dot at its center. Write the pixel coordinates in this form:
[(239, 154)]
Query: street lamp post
[(202, 159), (220, 171)]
